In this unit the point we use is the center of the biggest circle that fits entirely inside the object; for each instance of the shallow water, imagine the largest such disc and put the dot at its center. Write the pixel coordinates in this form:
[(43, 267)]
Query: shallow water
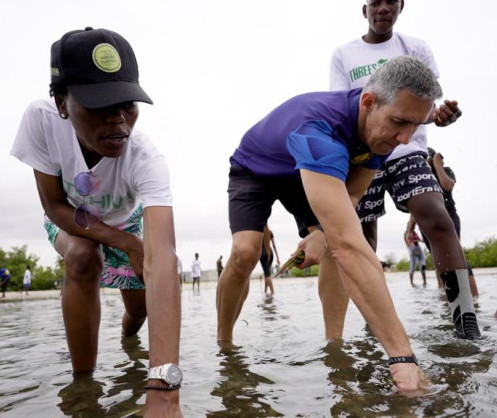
[(280, 366)]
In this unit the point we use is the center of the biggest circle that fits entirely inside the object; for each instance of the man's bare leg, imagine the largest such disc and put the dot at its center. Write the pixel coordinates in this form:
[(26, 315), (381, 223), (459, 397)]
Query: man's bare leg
[(334, 297), (233, 285)]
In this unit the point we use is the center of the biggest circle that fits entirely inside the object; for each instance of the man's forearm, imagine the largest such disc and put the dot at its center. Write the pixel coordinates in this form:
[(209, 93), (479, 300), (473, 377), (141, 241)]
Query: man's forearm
[(364, 279)]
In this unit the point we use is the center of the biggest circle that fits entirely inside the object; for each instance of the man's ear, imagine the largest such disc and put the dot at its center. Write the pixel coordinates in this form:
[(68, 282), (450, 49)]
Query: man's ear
[(368, 100), (401, 6), (364, 11)]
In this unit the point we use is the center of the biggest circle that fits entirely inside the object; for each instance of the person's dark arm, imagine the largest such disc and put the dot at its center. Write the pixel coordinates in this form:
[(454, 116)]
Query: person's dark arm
[(446, 182), (407, 240), (54, 201), (446, 114), (411, 224)]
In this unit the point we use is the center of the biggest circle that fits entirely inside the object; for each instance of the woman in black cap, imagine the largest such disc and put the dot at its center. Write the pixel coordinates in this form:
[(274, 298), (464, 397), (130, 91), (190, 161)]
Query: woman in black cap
[(98, 179)]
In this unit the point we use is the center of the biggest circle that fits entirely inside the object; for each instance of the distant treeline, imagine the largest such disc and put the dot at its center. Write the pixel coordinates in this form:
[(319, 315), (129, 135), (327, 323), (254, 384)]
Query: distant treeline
[(483, 254), (42, 278)]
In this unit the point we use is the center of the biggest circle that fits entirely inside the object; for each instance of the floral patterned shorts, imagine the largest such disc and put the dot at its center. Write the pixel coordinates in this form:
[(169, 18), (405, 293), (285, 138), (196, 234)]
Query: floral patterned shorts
[(117, 272)]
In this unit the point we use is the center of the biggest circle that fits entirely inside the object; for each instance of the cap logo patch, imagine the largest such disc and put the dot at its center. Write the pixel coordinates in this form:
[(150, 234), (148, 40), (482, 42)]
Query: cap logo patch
[(106, 58)]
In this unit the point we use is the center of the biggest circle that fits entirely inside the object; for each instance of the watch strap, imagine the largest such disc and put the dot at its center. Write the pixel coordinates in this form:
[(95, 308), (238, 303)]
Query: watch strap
[(161, 387), (403, 359)]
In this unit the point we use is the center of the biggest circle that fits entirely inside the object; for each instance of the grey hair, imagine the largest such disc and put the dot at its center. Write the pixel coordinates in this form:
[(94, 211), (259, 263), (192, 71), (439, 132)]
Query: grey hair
[(403, 72)]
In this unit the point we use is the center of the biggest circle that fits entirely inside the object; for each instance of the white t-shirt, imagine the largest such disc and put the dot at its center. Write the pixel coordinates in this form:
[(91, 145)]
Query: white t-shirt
[(48, 143), (196, 270), (27, 277), (353, 63)]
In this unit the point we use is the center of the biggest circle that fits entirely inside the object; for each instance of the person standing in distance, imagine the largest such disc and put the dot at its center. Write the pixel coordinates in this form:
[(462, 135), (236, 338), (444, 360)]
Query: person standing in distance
[(416, 255), (267, 256), (196, 271), (26, 280), (4, 279)]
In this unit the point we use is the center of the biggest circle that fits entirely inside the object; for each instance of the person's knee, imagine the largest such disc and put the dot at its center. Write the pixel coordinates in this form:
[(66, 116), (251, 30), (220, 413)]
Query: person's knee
[(83, 263), (438, 227), (134, 303), (244, 256), (431, 215), (136, 312)]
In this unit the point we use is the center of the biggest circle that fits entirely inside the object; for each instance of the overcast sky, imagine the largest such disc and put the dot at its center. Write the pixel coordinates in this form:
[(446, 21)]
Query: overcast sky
[(214, 68)]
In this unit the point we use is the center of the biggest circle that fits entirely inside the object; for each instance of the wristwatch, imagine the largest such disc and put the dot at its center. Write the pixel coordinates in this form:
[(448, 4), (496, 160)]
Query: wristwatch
[(169, 373)]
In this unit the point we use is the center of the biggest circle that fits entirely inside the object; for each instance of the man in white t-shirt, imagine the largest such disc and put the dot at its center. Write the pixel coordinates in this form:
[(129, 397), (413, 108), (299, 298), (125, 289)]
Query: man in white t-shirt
[(196, 272), (26, 281), (405, 174)]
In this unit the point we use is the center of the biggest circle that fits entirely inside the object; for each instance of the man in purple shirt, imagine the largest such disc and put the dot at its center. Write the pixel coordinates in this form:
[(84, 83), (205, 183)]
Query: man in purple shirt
[(317, 154)]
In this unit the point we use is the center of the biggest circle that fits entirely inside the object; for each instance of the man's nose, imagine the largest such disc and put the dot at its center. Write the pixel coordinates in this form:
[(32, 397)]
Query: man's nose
[(405, 134)]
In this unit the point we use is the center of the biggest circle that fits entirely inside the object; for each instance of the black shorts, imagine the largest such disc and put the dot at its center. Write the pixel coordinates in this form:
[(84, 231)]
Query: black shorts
[(403, 178), (251, 198)]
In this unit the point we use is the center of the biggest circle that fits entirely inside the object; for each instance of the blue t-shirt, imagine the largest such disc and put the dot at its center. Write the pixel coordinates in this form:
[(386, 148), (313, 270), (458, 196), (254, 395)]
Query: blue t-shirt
[(315, 131)]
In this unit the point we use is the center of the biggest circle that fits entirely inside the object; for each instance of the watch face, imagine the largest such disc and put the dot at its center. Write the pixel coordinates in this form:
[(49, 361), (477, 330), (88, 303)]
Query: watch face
[(174, 375)]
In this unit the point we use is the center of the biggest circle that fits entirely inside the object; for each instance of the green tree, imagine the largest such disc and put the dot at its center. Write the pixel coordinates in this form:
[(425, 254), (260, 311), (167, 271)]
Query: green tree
[(483, 254), (402, 265), (42, 278), (309, 272)]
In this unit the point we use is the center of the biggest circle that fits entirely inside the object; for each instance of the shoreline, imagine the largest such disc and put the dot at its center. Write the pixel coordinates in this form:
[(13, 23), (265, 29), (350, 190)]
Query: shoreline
[(14, 296)]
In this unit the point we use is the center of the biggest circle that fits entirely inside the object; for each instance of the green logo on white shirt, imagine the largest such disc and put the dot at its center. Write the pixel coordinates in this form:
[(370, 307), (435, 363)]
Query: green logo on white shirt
[(365, 70)]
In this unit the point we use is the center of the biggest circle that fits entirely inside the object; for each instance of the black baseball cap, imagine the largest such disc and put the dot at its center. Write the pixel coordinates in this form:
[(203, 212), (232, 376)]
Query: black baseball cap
[(98, 67)]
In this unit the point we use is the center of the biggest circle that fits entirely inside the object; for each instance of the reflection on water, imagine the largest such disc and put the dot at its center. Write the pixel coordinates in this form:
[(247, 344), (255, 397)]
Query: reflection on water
[(85, 393), (82, 395), (280, 365), (238, 387)]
